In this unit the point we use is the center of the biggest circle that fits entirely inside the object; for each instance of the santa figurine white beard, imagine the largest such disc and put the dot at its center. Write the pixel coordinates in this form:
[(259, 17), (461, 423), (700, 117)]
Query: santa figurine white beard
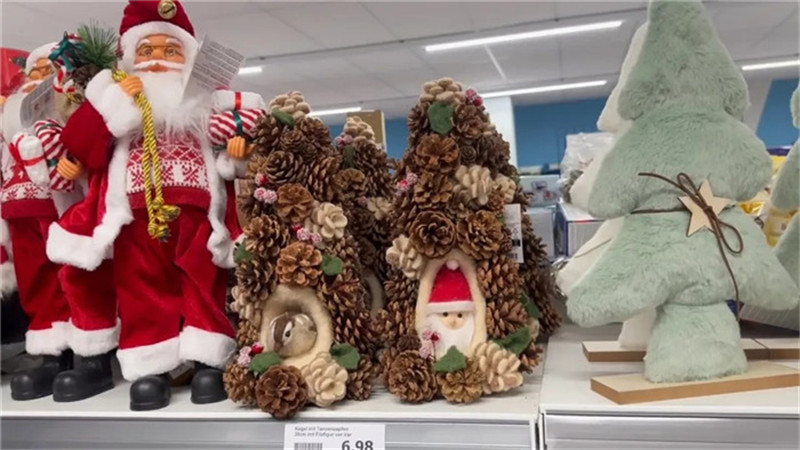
[(445, 330), (164, 91)]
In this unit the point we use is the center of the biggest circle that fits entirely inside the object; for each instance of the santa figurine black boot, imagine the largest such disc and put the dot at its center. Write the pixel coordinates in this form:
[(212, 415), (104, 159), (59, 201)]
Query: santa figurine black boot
[(150, 392), (207, 385), (38, 382), (90, 377)]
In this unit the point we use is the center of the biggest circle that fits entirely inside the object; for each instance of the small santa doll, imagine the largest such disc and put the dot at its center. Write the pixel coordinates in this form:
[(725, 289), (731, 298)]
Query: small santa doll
[(450, 319), (161, 204)]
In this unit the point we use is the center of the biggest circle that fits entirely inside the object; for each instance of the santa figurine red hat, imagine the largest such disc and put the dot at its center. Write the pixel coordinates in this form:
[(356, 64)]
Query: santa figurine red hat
[(450, 292), (146, 18)]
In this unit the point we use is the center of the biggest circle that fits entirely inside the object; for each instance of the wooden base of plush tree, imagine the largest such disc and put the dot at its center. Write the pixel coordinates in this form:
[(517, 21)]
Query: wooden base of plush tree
[(634, 388), (782, 348), (611, 351)]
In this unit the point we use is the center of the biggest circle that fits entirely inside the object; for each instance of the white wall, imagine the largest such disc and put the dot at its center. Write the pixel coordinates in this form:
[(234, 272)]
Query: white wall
[(501, 112)]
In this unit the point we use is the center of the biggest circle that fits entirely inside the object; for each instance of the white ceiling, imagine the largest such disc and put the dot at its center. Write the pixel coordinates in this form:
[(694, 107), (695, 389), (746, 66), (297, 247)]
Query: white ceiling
[(371, 53)]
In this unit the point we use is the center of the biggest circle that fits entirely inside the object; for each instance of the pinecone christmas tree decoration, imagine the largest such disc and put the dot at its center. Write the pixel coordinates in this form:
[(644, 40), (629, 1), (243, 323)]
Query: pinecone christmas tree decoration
[(411, 378), (462, 386), (281, 391), (539, 279), (240, 384)]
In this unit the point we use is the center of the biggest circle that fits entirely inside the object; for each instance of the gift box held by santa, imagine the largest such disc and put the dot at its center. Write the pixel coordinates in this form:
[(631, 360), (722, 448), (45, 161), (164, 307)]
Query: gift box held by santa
[(161, 206)]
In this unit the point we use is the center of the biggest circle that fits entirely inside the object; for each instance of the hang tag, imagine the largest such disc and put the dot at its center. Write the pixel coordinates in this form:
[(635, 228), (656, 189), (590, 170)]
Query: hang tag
[(513, 220), (39, 104), (334, 436), (214, 68)]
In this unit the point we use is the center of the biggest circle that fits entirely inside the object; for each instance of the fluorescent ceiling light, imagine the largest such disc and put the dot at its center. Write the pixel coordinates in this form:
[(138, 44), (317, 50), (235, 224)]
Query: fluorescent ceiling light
[(540, 89), (772, 65), (330, 112), (250, 70), (560, 31)]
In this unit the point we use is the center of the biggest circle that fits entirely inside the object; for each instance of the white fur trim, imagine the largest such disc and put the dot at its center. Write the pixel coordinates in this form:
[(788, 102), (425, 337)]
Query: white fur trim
[(130, 40), (138, 362), (213, 349), (219, 243), (87, 252), (117, 108), (467, 266), (50, 341), (443, 307), (37, 54), (8, 278), (609, 119), (92, 342), (225, 100), (230, 168), (30, 148)]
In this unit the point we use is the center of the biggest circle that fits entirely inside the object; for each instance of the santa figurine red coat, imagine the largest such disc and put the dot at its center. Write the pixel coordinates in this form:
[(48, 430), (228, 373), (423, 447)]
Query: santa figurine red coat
[(171, 228)]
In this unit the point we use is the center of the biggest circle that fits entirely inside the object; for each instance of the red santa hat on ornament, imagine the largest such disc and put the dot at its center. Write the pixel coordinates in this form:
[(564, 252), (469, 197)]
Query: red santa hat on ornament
[(143, 18), (450, 292), (37, 54)]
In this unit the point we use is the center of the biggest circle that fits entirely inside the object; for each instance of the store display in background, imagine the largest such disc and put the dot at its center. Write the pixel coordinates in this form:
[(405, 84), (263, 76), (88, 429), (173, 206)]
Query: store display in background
[(12, 75), (377, 121), (543, 190), (580, 152), (573, 228)]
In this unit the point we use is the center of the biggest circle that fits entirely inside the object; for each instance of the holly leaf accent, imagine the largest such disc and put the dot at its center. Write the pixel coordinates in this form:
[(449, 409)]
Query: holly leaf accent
[(346, 356), (452, 361), (349, 156), (241, 254), (440, 115), (263, 361), (530, 306), (331, 265), (283, 117), (517, 341)]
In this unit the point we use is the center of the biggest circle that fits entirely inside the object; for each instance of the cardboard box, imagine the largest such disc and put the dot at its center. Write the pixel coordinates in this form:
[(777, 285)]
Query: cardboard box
[(543, 189), (574, 227)]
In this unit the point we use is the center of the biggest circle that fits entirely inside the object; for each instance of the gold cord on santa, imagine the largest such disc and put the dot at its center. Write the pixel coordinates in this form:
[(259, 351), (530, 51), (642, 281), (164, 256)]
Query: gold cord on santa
[(159, 214)]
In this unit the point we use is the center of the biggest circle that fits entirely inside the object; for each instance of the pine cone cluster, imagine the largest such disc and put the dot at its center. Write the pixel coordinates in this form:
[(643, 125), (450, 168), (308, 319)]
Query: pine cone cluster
[(437, 154), (462, 386), (411, 378), (281, 391), (501, 367), (350, 184), (292, 103), (294, 203), (361, 380), (468, 122), (433, 234), (433, 191), (359, 130), (240, 384), (326, 380), (481, 236), (418, 124), (320, 180), (504, 316), (268, 132), (499, 278), (299, 265), (280, 167), (444, 90), (317, 134)]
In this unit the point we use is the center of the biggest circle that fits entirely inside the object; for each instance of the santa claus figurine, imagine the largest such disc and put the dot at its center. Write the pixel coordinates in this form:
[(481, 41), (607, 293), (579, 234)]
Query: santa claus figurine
[(160, 206), (450, 319)]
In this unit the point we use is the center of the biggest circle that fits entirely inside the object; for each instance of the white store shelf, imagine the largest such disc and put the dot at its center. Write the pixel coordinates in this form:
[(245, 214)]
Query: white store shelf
[(497, 422), (573, 416)]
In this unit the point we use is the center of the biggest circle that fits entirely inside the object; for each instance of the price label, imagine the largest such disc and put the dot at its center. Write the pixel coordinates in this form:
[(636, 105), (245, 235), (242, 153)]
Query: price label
[(215, 67), (39, 104), (513, 219), (334, 436)]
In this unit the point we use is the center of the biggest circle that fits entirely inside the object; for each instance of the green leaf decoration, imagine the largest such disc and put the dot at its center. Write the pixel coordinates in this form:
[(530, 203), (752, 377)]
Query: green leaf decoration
[(263, 361), (517, 341), (99, 45), (241, 254), (530, 306), (349, 156), (283, 117), (452, 361), (346, 356), (331, 265), (440, 115)]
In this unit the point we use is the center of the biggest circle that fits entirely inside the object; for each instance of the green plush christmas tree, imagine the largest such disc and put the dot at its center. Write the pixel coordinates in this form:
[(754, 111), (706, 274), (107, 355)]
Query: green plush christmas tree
[(676, 174), (786, 196)]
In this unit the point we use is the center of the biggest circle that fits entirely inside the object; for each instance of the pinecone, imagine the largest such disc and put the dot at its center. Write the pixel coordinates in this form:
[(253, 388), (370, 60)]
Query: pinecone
[(281, 168), (83, 75), (531, 357), (281, 391), (504, 316), (354, 328), (247, 333), (501, 367), (432, 234), (474, 183), (328, 220), (367, 253), (432, 191), (405, 212), (550, 320), (462, 386), (299, 265), (268, 132), (417, 124), (340, 293), (361, 381), (240, 384), (315, 132), (326, 380), (497, 202), (265, 237), (405, 257), (467, 121), (387, 357), (499, 278), (400, 288), (292, 103), (411, 378), (345, 249), (408, 342), (539, 279), (321, 176), (350, 184), (255, 278), (293, 141), (494, 151), (360, 220), (294, 203), (247, 203), (468, 155), (481, 235), (436, 154)]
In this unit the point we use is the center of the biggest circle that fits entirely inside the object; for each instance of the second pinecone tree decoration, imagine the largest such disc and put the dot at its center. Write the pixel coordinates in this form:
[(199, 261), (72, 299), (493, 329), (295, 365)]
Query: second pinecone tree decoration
[(304, 334), (462, 314)]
